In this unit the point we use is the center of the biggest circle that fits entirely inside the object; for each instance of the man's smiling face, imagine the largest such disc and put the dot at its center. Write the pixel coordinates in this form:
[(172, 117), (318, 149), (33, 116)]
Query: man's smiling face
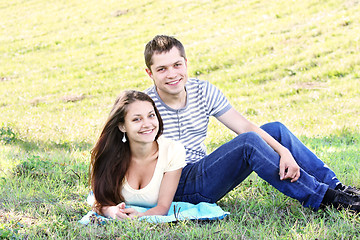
[(169, 73)]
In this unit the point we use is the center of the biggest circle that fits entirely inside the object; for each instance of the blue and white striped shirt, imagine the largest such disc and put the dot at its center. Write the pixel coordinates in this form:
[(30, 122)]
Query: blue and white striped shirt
[(189, 124)]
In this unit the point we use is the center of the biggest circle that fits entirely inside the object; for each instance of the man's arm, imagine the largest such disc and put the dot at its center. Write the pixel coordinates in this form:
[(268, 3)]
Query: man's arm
[(233, 120)]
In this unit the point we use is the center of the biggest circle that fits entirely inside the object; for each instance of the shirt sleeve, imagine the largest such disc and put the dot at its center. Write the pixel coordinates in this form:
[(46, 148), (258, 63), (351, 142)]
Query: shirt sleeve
[(217, 103), (176, 156)]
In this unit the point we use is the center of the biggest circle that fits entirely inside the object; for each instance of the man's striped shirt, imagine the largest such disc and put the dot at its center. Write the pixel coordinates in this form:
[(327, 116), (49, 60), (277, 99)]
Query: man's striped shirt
[(189, 124)]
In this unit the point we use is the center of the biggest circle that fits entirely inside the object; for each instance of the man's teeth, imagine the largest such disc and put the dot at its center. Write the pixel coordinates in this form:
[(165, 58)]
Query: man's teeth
[(174, 82)]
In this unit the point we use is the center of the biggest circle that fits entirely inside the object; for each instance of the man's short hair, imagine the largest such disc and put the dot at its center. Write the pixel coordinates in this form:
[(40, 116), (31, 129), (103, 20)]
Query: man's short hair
[(160, 44)]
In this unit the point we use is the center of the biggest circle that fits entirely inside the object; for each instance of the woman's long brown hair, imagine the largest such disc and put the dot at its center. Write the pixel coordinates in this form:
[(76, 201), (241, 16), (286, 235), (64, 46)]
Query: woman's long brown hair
[(110, 157)]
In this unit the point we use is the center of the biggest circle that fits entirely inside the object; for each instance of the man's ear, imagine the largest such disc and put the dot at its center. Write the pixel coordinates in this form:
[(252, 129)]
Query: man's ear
[(121, 128), (148, 71)]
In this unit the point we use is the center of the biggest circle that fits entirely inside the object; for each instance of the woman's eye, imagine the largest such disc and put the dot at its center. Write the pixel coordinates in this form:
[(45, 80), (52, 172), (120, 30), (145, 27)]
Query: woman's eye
[(152, 115)]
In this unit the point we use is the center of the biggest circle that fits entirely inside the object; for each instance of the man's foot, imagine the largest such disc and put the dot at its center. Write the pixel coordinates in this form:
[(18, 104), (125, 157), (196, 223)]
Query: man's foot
[(343, 200), (348, 189)]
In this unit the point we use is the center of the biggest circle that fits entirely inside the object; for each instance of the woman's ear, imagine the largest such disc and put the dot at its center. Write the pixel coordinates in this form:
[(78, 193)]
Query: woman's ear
[(121, 128)]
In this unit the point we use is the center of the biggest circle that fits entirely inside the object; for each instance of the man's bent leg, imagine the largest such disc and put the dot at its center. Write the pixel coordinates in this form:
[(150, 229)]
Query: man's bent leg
[(212, 177), (306, 159)]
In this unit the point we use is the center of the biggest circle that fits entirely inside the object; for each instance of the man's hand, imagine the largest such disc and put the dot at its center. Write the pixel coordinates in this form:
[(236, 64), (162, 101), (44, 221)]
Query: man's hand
[(289, 169), (115, 212)]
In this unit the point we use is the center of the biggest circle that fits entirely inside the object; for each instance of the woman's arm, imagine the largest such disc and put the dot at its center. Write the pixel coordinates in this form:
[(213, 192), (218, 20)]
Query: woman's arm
[(168, 188)]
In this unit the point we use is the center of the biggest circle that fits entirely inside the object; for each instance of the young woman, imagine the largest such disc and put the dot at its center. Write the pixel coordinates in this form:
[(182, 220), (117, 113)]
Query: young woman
[(131, 164)]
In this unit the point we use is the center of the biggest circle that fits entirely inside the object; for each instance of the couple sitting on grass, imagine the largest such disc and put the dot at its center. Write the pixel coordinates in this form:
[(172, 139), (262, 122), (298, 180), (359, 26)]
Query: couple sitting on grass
[(151, 151)]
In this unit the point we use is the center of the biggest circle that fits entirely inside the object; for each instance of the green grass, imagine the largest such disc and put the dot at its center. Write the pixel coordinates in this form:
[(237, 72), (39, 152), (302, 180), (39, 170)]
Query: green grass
[(62, 63)]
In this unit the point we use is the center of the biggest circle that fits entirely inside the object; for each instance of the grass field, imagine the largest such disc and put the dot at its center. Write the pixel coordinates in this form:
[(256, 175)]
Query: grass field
[(62, 63)]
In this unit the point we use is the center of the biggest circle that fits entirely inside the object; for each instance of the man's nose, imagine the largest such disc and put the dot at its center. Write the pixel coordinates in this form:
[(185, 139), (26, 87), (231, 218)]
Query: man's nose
[(171, 72)]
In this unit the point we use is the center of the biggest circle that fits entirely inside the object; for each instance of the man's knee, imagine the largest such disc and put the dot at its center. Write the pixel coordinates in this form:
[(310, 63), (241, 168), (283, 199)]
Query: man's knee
[(272, 125), (249, 137), (274, 128)]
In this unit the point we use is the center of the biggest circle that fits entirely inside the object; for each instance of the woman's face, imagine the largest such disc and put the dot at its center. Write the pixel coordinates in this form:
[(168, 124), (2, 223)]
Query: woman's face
[(141, 123)]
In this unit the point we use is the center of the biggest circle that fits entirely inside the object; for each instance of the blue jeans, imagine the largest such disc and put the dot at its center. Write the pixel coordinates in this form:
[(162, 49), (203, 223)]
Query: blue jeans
[(209, 179)]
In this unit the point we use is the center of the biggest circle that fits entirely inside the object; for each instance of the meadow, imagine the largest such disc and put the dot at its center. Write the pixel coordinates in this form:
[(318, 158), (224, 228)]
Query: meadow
[(62, 64)]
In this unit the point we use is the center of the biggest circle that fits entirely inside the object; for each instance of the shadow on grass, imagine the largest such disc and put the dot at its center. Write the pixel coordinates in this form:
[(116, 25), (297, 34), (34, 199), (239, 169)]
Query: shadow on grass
[(8, 136), (48, 146), (340, 139), (45, 161)]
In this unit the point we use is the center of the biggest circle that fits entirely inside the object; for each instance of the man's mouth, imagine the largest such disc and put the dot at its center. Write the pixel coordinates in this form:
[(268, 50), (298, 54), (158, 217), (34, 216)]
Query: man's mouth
[(174, 82)]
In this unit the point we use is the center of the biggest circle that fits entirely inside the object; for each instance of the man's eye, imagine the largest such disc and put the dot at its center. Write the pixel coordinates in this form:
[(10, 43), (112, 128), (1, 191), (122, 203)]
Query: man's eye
[(161, 69)]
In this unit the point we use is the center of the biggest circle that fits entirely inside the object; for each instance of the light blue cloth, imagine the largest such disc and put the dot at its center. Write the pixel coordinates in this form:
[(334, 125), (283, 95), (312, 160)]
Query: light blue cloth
[(178, 211)]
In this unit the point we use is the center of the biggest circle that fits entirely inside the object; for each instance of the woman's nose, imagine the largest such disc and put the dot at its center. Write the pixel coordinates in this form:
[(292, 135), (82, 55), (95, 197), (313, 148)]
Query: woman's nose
[(146, 123)]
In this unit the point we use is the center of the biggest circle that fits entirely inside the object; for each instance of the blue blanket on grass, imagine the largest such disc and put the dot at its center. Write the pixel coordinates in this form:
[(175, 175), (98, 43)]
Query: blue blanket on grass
[(178, 211)]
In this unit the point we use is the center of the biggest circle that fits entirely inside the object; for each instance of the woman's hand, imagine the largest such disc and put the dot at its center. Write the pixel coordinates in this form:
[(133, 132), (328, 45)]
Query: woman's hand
[(132, 213), (115, 212)]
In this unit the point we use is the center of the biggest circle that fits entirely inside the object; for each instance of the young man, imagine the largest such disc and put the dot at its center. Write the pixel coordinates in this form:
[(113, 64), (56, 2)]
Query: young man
[(272, 151)]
